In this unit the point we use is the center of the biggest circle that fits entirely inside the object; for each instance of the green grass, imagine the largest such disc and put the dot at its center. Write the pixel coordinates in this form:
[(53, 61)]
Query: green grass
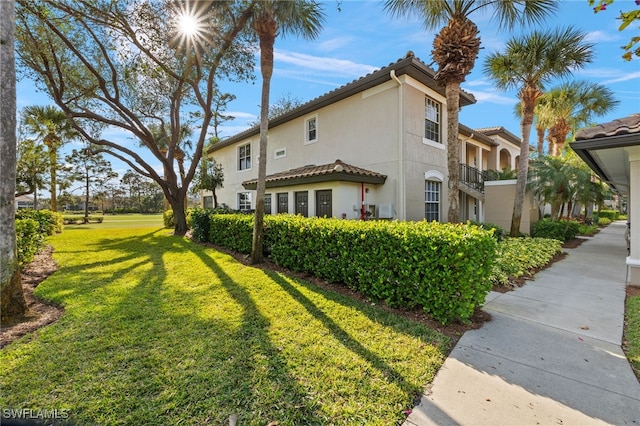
[(632, 332), (160, 330), (118, 221)]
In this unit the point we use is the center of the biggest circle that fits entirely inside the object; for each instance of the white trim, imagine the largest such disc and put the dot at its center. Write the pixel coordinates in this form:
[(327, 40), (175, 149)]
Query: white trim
[(633, 262), (282, 150), (434, 175), (500, 182), (306, 129), (429, 142)]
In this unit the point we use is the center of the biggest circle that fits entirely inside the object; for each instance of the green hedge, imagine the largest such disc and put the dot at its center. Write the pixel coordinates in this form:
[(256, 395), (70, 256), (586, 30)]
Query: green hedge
[(515, 257), (604, 221), (609, 214), (444, 268), (49, 222), (75, 219), (29, 239), (562, 230)]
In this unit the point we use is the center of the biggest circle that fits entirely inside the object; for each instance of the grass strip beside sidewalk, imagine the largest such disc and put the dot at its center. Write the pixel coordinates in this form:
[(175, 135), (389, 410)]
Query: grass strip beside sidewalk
[(160, 330)]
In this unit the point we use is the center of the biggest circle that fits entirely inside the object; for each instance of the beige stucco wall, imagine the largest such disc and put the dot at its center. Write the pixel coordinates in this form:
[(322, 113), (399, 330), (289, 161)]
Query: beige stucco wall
[(499, 199)]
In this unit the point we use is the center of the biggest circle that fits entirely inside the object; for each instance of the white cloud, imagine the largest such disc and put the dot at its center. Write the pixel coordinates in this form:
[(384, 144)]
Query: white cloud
[(600, 36), (334, 44), (625, 77), (478, 82), (327, 66), (494, 98)]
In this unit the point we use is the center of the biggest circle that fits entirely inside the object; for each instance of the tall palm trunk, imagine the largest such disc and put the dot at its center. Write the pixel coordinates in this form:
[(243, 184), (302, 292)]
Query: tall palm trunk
[(12, 303), (453, 150), (540, 131), (266, 27), (528, 97), (52, 144)]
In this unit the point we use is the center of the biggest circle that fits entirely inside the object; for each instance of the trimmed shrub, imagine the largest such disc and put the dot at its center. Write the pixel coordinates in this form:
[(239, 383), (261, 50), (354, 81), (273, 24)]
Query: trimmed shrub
[(604, 221), (515, 257), (498, 231), (167, 218), (444, 268), (200, 223), (29, 239), (49, 222), (562, 230), (609, 214)]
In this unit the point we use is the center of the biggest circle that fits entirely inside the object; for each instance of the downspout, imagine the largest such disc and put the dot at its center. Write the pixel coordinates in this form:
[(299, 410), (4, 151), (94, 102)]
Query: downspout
[(362, 197), (401, 178)]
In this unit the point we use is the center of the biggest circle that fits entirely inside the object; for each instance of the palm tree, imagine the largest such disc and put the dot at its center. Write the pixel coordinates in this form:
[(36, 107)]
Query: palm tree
[(572, 105), (527, 64), (456, 48), (52, 126), (299, 17)]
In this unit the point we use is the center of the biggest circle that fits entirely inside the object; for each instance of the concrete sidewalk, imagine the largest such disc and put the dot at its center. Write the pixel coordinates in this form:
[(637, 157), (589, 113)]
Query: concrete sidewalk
[(550, 356)]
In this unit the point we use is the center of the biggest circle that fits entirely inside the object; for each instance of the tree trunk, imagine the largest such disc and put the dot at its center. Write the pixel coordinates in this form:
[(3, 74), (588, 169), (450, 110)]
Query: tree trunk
[(540, 132), (266, 29), (179, 216), (528, 100), (86, 200), (53, 157), (453, 150), (12, 303)]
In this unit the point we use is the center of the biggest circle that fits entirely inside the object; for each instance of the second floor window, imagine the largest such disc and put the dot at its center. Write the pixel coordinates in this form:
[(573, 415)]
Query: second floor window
[(431, 120), (244, 157), (311, 130)]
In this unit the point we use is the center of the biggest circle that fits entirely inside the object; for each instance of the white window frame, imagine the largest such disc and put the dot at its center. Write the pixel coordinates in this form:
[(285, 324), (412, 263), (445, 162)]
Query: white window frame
[(279, 153), (243, 198), (433, 114), (307, 131), (244, 158), (432, 197)]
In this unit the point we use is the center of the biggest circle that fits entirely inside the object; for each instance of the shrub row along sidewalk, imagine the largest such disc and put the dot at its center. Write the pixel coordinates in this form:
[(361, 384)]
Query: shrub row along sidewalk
[(160, 330)]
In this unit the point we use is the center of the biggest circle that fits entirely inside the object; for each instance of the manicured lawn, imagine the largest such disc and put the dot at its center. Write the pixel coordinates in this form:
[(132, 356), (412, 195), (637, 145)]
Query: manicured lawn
[(632, 332), (160, 330), (122, 221)]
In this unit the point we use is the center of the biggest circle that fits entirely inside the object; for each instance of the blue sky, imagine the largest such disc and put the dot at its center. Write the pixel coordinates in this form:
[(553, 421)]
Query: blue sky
[(361, 37)]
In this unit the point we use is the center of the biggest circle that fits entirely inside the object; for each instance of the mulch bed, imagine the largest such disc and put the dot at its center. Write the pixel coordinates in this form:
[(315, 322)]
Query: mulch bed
[(40, 313)]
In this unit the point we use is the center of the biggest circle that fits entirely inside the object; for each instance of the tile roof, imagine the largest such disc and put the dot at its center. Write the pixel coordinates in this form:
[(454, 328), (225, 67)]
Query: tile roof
[(619, 127), (336, 171), (500, 130)]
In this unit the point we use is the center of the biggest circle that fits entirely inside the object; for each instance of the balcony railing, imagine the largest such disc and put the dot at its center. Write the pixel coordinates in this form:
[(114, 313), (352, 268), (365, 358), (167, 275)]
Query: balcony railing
[(472, 177)]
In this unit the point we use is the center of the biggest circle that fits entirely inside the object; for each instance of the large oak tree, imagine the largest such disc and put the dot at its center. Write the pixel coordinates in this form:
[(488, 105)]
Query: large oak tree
[(119, 69)]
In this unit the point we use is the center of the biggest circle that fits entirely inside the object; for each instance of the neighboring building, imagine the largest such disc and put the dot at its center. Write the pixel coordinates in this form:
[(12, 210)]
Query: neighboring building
[(612, 150), (374, 148), (24, 202)]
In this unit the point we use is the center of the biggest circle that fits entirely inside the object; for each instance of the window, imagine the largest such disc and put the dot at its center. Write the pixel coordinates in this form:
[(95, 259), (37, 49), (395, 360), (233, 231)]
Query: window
[(267, 203), (244, 201), (432, 200), (244, 157), (280, 153), (431, 120), (311, 128)]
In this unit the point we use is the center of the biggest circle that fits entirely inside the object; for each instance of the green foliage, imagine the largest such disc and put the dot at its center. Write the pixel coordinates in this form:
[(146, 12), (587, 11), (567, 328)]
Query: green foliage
[(167, 218), (562, 230), (234, 231), (609, 214), (29, 239), (604, 221), (49, 222), (75, 219), (444, 268), (515, 257), (632, 332), (498, 231), (587, 229)]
